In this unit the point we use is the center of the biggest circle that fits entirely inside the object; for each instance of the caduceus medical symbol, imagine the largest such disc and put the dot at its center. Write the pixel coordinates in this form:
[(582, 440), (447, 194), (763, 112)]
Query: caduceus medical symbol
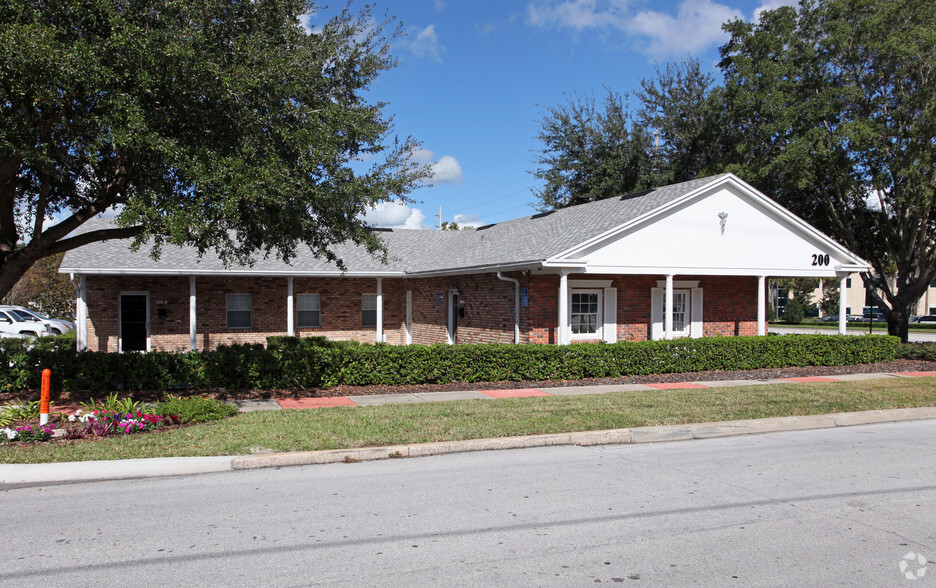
[(723, 216)]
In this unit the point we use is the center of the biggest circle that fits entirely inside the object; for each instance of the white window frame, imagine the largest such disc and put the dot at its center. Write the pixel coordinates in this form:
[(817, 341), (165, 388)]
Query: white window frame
[(248, 310), (599, 323), (303, 300), (365, 308)]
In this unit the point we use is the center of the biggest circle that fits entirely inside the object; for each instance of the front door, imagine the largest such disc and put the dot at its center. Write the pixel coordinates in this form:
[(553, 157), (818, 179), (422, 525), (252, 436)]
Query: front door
[(134, 323)]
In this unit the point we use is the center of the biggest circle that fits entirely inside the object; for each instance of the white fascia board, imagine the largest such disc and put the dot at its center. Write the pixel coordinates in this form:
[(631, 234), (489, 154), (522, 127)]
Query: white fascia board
[(712, 271), (853, 268), (222, 273), (565, 263)]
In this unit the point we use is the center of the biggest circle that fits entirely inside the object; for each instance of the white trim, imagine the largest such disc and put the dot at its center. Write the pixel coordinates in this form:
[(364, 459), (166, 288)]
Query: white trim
[(696, 326), (656, 314), (81, 313), (562, 326), (298, 310), (599, 320), (120, 296), (708, 271), (668, 308), (590, 283), (610, 315), (761, 306), (409, 318), (290, 326), (679, 284), (450, 333), (193, 316), (380, 333), (843, 305), (227, 309)]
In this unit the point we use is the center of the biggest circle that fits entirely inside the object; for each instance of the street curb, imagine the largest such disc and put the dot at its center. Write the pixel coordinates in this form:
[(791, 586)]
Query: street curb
[(656, 434), (13, 474)]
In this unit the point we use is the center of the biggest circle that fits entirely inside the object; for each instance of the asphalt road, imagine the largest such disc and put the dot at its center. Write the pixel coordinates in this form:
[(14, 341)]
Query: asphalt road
[(828, 507), (879, 329)]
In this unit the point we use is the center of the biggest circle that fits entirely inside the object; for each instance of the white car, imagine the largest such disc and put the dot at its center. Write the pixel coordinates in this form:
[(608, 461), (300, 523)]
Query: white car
[(58, 326), (13, 322)]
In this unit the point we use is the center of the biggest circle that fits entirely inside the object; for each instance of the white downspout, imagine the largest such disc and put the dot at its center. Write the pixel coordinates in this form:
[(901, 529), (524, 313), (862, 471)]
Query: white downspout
[(516, 305)]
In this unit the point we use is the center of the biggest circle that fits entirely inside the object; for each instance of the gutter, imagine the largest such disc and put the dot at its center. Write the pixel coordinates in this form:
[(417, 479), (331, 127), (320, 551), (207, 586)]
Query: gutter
[(516, 305)]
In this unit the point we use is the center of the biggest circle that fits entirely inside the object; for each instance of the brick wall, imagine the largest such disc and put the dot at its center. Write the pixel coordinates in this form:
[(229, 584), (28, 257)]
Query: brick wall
[(729, 305), (729, 308)]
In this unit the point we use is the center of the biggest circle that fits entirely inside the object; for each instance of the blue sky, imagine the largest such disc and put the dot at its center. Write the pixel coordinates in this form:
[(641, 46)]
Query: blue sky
[(475, 76)]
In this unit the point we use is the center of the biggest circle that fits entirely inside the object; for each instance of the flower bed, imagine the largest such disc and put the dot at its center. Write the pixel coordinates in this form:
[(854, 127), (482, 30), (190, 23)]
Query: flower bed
[(101, 423), (26, 433)]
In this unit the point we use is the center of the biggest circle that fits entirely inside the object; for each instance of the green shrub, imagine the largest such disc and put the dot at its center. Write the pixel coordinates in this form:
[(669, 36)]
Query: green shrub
[(194, 409), (918, 351), (315, 362), (793, 313)]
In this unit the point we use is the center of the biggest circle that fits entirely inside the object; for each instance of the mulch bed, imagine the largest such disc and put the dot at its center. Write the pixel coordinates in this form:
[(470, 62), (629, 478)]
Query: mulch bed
[(78, 396)]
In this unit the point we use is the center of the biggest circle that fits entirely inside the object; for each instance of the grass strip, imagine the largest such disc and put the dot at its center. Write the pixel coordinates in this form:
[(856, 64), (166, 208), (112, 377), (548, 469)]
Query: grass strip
[(339, 428)]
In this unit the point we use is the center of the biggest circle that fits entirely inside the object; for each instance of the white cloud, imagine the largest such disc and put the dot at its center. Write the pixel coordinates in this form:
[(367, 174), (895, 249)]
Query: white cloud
[(467, 220), (576, 14), (696, 26), (395, 215), (440, 5), (424, 43), (446, 170), (771, 5)]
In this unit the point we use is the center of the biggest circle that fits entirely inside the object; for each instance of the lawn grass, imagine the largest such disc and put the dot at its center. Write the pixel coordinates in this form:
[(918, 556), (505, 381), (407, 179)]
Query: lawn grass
[(336, 428)]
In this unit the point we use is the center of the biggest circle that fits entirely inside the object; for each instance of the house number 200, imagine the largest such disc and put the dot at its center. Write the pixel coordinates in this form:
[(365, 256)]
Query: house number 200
[(820, 259)]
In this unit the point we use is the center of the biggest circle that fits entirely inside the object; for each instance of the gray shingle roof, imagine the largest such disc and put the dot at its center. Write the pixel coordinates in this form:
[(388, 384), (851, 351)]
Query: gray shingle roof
[(525, 240)]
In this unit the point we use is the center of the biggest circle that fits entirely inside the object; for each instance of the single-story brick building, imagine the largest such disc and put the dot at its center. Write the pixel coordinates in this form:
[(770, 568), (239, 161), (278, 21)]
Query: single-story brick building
[(686, 260)]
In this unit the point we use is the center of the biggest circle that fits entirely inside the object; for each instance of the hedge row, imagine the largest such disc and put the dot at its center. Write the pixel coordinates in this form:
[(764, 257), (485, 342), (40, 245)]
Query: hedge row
[(313, 362)]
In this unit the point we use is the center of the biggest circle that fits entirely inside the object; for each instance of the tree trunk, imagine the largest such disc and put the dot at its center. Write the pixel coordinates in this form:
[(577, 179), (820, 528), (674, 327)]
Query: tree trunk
[(897, 320)]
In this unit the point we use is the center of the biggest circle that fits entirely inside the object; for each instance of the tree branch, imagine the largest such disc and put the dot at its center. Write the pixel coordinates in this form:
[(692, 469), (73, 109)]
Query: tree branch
[(92, 237)]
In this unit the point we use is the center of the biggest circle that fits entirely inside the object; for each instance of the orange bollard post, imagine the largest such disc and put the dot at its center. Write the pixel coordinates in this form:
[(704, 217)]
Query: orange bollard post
[(44, 397)]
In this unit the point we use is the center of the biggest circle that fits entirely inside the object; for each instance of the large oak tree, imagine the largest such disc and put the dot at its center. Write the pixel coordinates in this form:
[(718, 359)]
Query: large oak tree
[(833, 112), (221, 124)]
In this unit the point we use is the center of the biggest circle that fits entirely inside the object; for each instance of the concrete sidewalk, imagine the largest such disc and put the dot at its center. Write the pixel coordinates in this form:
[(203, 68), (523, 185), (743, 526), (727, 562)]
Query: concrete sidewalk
[(379, 399), (12, 475)]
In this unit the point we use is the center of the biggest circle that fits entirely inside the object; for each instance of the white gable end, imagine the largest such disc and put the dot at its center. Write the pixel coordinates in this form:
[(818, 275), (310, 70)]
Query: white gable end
[(725, 231)]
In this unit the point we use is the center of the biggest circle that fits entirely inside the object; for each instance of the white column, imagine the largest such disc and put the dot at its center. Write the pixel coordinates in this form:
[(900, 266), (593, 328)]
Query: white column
[(193, 332), (379, 310), (761, 306), (668, 309), (290, 328), (81, 318), (562, 331), (842, 305)]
